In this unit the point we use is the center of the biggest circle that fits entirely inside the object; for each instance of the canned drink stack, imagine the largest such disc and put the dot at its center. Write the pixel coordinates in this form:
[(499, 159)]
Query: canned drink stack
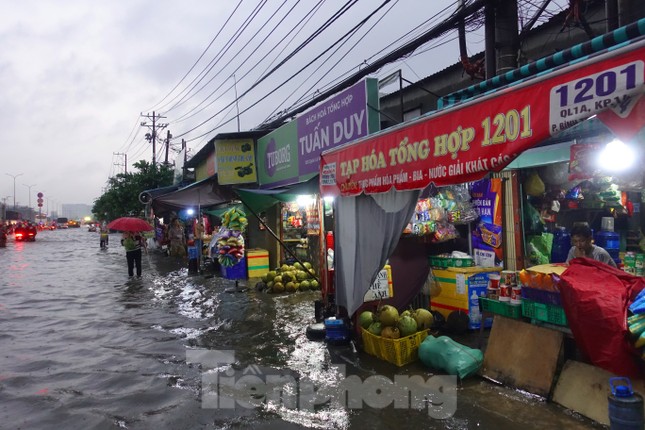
[(492, 292), (625, 406), (509, 277)]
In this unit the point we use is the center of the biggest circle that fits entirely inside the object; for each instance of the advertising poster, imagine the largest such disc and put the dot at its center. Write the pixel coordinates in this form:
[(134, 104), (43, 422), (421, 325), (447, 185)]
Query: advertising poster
[(235, 161), (486, 198), (291, 153)]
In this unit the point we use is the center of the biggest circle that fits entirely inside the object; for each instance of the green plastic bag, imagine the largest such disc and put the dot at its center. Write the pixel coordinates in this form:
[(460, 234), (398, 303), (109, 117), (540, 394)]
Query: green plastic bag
[(453, 358), (539, 248), (533, 222)]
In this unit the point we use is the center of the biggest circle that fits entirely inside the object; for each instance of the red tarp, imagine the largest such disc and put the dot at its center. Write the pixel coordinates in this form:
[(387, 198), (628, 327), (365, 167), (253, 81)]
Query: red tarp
[(595, 298)]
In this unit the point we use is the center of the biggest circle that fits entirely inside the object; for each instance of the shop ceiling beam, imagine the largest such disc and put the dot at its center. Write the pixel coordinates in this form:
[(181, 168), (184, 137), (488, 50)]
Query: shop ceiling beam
[(598, 44), (409, 47)]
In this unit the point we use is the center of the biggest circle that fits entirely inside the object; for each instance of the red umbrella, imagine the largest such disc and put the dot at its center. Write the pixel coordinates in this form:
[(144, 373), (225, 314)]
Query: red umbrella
[(129, 224)]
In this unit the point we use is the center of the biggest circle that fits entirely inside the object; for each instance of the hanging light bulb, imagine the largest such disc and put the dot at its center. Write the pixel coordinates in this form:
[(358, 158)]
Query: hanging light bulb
[(616, 157)]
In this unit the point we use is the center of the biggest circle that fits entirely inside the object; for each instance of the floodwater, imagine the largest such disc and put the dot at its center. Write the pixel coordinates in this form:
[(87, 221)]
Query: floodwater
[(82, 346)]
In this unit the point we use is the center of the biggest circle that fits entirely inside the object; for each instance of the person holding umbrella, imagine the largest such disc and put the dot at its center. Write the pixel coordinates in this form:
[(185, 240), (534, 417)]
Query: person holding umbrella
[(133, 240), (133, 243)]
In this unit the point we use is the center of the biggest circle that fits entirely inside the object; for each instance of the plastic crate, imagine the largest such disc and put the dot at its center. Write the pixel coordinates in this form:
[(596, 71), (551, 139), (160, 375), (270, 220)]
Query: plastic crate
[(237, 271), (544, 312), (400, 351), (542, 296), (500, 308), (443, 262)]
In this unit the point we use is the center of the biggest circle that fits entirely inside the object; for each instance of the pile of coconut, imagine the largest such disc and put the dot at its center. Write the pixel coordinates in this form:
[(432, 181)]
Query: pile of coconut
[(388, 323)]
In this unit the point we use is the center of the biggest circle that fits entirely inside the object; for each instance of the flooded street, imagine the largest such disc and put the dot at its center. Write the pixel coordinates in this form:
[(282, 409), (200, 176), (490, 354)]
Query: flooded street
[(82, 346)]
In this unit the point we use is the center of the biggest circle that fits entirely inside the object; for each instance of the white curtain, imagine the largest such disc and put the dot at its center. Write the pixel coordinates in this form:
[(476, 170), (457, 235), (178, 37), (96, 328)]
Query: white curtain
[(368, 227)]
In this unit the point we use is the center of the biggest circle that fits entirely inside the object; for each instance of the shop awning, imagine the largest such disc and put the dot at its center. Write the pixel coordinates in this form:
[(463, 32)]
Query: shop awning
[(204, 193), (147, 196), (465, 142), (259, 200)]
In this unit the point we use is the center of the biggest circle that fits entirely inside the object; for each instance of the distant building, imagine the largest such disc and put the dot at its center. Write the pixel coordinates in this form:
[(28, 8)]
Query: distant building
[(76, 211)]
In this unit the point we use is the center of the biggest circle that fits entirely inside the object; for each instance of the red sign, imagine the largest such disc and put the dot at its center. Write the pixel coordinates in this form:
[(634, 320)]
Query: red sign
[(465, 142)]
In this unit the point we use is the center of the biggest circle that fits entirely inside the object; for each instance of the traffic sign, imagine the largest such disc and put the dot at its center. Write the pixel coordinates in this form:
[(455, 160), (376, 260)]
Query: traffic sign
[(40, 205), (40, 201), (40, 195)]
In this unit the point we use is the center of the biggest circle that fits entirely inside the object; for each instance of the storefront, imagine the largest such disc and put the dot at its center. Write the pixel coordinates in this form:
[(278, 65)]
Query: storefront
[(377, 183)]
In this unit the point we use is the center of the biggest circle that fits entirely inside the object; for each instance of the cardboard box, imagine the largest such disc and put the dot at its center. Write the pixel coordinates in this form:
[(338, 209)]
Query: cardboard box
[(458, 286), (258, 262)]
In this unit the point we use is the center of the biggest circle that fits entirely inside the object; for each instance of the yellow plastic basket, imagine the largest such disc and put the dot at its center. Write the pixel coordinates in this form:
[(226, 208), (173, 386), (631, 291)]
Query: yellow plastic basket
[(396, 351)]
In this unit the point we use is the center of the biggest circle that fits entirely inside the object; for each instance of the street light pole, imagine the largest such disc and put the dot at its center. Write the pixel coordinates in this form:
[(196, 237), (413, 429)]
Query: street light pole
[(4, 207), (14, 188), (30, 210)]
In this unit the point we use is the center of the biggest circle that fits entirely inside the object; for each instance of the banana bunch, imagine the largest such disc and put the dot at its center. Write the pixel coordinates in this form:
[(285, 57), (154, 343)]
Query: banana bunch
[(235, 219), (230, 248)]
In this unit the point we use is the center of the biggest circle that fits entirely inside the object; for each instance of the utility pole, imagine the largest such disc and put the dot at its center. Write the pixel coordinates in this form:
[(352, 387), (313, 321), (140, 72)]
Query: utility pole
[(125, 161), (168, 137), (30, 210), (506, 35), (152, 136)]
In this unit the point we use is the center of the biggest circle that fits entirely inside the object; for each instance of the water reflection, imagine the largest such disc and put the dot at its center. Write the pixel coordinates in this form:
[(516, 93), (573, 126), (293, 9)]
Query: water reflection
[(84, 346)]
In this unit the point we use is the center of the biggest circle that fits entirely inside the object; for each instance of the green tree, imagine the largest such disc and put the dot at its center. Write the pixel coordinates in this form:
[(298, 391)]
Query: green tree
[(122, 195)]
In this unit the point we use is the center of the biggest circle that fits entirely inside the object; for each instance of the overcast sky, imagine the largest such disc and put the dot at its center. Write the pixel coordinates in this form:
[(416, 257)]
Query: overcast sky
[(76, 75)]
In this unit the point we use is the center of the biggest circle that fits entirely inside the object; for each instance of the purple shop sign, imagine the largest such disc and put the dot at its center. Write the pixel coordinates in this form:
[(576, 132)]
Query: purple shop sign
[(339, 120)]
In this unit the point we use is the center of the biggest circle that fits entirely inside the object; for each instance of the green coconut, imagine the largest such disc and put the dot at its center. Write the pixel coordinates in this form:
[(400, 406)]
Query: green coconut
[(388, 315), (365, 319), (424, 318), (390, 332), (375, 328), (278, 287), (407, 326)]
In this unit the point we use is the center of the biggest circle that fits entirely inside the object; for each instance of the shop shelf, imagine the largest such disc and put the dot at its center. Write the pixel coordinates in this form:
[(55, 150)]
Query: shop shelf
[(542, 296), (544, 312), (443, 262), (400, 351), (500, 308)]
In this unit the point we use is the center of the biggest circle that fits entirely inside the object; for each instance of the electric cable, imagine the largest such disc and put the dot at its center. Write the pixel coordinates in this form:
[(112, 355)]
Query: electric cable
[(310, 38), (362, 22), (199, 58), (187, 114), (217, 58)]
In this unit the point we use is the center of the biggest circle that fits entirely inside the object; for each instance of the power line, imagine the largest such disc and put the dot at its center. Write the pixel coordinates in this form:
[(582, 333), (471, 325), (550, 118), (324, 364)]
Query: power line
[(301, 46), (188, 114), (217, 58), (199, 58)]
